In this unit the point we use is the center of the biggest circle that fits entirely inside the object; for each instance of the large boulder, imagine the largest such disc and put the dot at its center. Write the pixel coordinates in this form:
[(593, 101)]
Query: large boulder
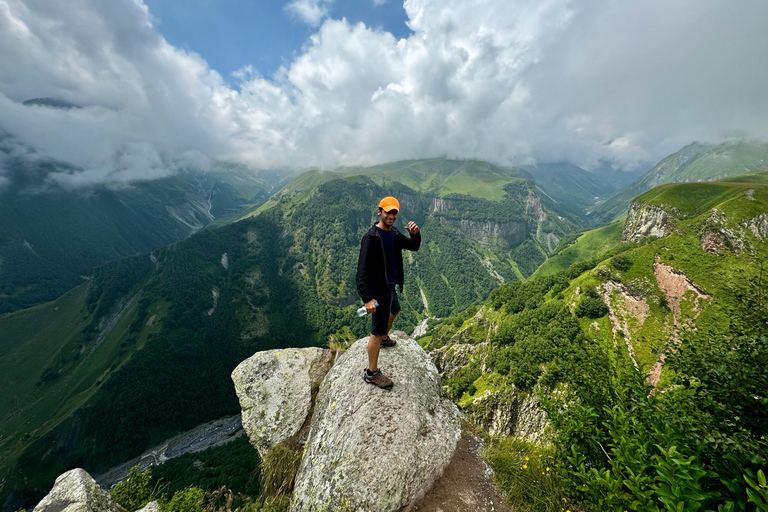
[(76, 491), (373, 449), (275, 392)]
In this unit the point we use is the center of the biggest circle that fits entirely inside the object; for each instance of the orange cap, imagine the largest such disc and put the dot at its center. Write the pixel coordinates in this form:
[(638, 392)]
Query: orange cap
[(389, 203)]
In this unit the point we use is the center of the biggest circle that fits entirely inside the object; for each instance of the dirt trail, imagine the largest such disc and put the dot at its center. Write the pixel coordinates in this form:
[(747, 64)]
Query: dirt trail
[(466, 484)]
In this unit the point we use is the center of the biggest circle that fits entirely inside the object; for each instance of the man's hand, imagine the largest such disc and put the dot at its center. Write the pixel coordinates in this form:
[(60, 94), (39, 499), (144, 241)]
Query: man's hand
[(412, 228), (370, 307)]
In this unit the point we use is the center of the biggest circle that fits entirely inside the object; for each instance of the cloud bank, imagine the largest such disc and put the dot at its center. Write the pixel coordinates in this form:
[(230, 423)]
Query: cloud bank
[(506, 81)]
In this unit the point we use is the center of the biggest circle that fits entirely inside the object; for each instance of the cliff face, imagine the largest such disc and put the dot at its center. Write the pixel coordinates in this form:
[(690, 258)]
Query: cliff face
[(513, 233), (646, 220)]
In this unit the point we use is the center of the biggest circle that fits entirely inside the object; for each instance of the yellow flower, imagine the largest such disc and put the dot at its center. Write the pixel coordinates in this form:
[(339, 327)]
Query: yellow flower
[(547, 469), (525, 466)]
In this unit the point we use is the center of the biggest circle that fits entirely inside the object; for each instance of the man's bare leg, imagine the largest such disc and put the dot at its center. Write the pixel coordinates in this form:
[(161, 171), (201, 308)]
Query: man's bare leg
[(374, 345), (391, 321)]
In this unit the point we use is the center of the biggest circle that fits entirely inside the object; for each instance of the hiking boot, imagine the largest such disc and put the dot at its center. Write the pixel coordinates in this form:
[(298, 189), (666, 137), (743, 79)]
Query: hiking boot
[(377, 379), (388, 342)]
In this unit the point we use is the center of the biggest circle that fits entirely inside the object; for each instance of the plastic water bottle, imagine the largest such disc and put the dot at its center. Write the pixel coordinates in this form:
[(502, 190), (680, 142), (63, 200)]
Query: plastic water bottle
[(363, 312)]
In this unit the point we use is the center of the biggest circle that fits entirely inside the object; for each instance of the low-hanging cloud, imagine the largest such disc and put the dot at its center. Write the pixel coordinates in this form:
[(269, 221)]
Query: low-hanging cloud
[(506, 81)]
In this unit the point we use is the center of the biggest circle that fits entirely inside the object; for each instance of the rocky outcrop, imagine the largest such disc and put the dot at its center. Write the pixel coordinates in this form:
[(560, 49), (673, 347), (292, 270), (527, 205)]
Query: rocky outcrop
[(76, 491), (644, 221), (275, 391), (718, 237), (506, 412), (500, 412), (372, 449), (758, 226), (152, 506)]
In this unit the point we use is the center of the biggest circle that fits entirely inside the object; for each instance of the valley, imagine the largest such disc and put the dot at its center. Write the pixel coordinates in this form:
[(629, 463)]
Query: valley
[(511, 294)]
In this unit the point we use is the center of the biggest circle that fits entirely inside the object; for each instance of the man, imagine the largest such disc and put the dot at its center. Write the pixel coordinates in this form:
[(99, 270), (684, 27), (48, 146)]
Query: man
[(379, 270)]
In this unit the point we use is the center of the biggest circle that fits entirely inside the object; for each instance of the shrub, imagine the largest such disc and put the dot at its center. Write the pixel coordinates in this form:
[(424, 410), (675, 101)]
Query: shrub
[(188, 500), (463, 381), (621, 262), (134, 493), (591, 308)]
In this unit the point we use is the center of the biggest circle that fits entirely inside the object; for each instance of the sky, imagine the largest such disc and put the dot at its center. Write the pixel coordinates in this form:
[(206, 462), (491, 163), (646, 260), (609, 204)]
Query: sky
[(165, 85)]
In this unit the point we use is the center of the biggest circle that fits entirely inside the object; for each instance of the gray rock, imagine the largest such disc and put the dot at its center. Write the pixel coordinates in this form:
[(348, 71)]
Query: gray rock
[(76, 491), (372, 449), (509, 412), (275, 392), (152, 506), (644, 221)]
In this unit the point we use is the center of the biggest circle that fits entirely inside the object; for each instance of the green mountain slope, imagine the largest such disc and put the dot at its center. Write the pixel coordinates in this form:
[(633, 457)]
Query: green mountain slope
[(695, 162), (689, 295), (50, 238), (714, 237), (145, 348), (571, 185)]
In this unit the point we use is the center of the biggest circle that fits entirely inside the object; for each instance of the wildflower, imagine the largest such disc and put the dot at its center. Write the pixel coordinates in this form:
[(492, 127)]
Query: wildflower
[(526, 458), (525, 466), (547, 469)]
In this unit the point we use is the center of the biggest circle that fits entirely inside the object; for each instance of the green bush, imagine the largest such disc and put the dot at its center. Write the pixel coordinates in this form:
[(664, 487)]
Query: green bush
[(187, 500), (463, 381), (591, 308), (135, 492), (621, 262)]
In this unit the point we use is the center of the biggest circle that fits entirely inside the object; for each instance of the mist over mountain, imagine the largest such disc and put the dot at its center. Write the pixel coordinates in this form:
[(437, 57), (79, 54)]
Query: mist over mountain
[(51, 237), (695, 162)]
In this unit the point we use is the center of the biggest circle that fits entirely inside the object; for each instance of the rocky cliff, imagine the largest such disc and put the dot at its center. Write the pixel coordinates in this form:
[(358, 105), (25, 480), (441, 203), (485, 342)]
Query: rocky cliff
[(646, 220), (367, 448)]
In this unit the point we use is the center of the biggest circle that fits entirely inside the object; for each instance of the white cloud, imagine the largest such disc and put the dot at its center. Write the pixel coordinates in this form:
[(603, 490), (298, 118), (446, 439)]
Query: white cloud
[(311, 12), (507, 81)]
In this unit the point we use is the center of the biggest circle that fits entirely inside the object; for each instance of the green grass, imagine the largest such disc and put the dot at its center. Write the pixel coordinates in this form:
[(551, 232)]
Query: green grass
[(49, 336), (589, 245), (438, 177), (527, 473)]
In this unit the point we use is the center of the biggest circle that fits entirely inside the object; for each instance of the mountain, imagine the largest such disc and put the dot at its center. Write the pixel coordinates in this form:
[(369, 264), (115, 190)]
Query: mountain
[(695, 162), (672, 299), (570, 185), (51, 239), (144, 348)]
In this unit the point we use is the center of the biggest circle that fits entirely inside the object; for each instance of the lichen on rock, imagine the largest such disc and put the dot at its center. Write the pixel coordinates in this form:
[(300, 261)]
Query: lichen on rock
[(76, 491), (275, 392)]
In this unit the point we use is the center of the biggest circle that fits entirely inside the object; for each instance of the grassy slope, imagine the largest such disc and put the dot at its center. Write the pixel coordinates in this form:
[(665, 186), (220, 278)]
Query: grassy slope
[(437, 177), (739, 198), (714, 274), (589, 245), (694, 163), (48, 336)]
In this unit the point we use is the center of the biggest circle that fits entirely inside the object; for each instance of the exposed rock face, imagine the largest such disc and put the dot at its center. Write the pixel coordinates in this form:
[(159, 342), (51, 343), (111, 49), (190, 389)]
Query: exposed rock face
[(275, 392), (644, 221), (372, 449), (718, 237), (483, 232), (503, 411), (76, 491), (508, 413), (758, 226)]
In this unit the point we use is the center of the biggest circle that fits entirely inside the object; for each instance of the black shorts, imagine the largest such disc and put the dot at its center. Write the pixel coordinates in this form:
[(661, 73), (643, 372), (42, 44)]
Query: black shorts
[(380, 317)]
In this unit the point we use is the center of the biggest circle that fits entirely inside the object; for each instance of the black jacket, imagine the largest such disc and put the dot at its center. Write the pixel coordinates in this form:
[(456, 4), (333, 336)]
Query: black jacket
[(371, 276)]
